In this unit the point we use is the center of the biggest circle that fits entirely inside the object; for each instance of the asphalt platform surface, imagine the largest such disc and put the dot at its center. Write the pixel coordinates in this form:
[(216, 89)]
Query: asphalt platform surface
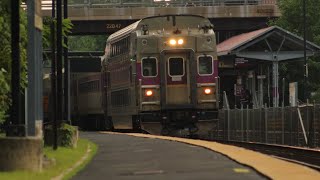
[(126, 157)]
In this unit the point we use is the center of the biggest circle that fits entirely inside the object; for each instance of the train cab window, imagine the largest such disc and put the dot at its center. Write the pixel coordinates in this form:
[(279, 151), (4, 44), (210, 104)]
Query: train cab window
[(205, 65), (176, 66), (149, 67)]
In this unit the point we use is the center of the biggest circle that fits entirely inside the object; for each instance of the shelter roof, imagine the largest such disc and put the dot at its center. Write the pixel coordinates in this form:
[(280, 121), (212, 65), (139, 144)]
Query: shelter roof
[(267, 44)]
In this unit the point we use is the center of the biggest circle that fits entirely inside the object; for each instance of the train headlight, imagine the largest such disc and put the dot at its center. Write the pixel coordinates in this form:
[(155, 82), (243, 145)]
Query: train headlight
[(207, 91), (148, 92), (173, 42), (180, 41)]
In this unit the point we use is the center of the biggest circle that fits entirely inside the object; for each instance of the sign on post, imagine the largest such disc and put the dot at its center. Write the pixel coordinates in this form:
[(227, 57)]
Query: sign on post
[(293, 93)]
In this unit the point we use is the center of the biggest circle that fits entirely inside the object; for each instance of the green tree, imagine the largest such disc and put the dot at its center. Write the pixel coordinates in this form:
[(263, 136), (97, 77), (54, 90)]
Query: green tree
[(87, 43), (46, 36), (5, 51), (292, 20), (4, 98), (46, 32)]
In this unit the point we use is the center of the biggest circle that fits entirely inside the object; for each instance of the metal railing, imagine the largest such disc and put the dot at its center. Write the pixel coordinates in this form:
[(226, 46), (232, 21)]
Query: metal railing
[(295, 126), (163, 3)]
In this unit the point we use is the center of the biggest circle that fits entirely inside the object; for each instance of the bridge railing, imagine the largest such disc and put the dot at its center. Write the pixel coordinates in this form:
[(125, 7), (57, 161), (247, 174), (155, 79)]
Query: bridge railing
[(166, 3)]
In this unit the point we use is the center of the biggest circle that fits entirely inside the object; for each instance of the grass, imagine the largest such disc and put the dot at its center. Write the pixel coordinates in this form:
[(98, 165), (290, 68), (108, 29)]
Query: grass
[(65, 158), (2, 135)]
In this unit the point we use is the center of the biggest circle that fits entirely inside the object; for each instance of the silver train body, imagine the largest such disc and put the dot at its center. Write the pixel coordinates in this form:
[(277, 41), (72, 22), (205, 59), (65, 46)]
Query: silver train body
[(160, 75)]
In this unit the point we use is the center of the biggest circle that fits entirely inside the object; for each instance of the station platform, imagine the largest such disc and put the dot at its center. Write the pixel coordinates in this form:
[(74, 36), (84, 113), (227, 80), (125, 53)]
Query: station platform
[(139, 156)]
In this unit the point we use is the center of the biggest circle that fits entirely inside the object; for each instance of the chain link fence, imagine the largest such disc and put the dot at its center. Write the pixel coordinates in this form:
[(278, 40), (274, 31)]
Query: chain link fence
[(294, 126)]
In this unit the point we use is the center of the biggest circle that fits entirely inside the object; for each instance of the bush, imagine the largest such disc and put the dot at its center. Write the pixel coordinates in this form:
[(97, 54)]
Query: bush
[(4, 96), (316, 96), (67, 136)]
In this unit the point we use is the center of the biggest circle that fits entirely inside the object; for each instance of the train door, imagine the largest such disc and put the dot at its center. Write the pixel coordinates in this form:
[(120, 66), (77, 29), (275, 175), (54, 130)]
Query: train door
[(177, 79)]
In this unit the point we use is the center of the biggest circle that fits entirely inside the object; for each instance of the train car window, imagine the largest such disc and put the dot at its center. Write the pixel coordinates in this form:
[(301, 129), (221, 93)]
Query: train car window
[(205, 65), (149, 67), (176, 66)]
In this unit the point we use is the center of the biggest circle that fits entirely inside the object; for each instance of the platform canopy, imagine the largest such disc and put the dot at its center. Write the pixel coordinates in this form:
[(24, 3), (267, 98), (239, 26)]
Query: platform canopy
[(272, 44), (269, 44)]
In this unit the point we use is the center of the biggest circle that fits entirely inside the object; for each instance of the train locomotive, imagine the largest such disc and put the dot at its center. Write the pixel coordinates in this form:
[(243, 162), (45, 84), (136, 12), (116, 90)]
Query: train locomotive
[(160, 75)]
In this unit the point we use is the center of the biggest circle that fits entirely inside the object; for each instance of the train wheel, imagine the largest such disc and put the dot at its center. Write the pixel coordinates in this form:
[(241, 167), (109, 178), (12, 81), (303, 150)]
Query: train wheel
[(166, 131)]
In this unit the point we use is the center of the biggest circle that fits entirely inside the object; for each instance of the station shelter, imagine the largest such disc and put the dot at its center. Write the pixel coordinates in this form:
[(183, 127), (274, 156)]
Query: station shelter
[(249, 64)]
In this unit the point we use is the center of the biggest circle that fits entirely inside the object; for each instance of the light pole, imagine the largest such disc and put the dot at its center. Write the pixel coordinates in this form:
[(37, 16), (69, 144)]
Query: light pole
[(66, 70), (305, 51), (54, 78), (15, 66)]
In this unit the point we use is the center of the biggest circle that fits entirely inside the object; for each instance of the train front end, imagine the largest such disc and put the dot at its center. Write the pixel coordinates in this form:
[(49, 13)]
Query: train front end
[(177, 75)]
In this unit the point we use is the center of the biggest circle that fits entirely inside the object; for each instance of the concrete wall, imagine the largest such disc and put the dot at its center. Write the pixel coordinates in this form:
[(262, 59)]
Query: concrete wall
[(21, 153)]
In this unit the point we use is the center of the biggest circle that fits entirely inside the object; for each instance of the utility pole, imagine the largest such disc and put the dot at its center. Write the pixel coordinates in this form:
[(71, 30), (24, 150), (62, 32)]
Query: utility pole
[(15, 116), (53, 78), (59, 63), (66, 70)]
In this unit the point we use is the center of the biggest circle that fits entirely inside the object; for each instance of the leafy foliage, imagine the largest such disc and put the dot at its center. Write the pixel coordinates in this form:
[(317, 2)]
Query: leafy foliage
[(46, 32), (5, 58), (4, 98), (67, 135), (87, 43), (292, 20)]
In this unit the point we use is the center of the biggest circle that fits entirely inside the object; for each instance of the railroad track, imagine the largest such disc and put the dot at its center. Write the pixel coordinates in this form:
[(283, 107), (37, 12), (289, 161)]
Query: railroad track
[(304, 156)]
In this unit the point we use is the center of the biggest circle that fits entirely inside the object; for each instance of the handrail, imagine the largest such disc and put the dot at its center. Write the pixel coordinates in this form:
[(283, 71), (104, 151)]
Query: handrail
[(256, 104), (225, 101), (302, 126)]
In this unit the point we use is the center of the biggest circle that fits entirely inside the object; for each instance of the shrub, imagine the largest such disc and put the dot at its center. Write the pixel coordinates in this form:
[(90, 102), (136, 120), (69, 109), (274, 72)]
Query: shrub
[(67, 135), (4, 96)]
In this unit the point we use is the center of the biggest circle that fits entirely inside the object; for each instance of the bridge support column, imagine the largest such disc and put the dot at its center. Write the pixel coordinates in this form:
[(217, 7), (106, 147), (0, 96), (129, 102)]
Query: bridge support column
[(34, 108)]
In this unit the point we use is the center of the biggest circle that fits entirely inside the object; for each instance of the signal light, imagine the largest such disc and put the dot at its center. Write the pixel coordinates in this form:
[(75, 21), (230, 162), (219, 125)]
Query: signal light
[(173, 42), (180, 41), (207, 91), (149, 93)]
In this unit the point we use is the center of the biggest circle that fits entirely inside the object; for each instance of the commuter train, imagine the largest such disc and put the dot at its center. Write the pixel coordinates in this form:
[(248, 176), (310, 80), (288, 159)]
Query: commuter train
[(160, 75)]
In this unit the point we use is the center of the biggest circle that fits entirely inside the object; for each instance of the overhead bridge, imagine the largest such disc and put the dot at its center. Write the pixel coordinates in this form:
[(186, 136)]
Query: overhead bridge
[(124, 10), (108, 16)]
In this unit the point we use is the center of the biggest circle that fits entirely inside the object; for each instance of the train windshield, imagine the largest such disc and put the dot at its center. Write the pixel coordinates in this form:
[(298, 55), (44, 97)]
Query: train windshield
[(205, 65), (176, 66), (149, 66)]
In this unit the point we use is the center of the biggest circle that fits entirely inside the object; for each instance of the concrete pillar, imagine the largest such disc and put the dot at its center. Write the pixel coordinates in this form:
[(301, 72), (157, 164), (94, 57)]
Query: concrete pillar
[(35, 93), (21, 153)]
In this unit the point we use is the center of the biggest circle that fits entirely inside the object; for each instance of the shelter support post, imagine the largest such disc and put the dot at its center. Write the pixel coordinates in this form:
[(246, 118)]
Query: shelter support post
[(275, 77), (260, 82)]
